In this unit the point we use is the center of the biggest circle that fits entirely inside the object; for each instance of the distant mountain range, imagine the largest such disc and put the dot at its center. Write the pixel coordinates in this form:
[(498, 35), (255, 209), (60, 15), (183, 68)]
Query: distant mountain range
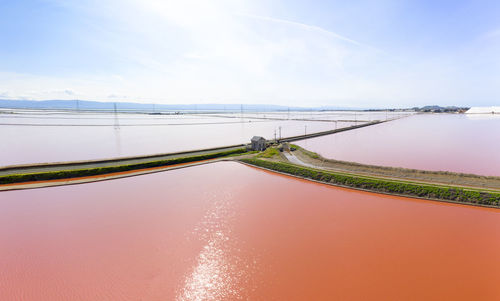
[(86, 105), (131, 106)]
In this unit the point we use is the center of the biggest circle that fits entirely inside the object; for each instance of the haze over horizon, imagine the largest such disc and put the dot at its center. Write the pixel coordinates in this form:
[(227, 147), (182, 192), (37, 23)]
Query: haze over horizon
[(359, 54)]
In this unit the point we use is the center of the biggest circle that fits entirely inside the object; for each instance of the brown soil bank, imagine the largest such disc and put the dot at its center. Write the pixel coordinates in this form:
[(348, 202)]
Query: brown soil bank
[(446, 178)]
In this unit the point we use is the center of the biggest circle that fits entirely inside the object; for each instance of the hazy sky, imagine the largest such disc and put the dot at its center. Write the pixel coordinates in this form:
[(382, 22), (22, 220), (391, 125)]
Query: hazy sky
[(355, 53)]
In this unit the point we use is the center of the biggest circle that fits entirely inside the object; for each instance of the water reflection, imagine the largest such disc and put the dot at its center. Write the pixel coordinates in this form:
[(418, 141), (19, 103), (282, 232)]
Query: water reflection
[(159, 237), (220, 270)]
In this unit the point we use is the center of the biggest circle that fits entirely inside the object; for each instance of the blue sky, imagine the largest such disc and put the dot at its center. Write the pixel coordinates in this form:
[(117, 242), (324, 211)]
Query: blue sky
[(355, 53)]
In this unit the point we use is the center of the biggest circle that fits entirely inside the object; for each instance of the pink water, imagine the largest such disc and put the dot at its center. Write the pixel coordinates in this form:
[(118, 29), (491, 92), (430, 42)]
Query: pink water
[(440, 142), (225, 231)]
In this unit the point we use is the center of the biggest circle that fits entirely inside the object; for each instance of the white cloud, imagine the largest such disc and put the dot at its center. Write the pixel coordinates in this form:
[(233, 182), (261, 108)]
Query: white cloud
[(304, 26), (207, 51), (233, 51)]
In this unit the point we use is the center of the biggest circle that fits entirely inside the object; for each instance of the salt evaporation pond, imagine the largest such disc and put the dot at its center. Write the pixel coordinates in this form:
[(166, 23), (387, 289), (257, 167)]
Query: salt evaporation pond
[(243, 233), (51, 136), (328, 115), (440, 142)]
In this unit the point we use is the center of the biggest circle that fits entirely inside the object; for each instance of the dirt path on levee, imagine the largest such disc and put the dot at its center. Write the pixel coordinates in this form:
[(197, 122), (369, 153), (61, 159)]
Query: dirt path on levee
[(431, 177)]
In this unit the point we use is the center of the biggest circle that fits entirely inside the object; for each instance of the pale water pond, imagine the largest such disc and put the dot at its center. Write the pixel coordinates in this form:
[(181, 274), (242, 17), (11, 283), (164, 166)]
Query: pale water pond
[(440, 142), (36, 137)]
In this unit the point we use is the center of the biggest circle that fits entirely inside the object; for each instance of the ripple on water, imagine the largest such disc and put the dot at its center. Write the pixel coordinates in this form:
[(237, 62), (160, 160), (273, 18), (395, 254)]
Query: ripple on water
[(220, 270)]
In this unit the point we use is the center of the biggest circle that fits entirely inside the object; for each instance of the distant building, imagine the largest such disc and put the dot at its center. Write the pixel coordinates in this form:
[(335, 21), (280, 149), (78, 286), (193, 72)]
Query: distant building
[(483, 110), (258, 143)]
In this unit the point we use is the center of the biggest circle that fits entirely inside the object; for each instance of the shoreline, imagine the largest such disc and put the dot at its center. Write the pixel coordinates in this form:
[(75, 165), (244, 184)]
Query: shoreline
[(398, 173), (368, 190), (429, 191), (469, 196)]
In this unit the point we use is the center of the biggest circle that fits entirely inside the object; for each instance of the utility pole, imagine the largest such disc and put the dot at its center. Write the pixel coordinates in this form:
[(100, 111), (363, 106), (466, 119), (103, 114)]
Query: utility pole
[(305, 130), (280, 132), (117, 126), (274, 134)]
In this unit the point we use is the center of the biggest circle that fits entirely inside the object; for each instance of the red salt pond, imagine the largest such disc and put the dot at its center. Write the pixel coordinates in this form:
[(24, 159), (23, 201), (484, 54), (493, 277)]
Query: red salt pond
[(441, 142), (225, 231)]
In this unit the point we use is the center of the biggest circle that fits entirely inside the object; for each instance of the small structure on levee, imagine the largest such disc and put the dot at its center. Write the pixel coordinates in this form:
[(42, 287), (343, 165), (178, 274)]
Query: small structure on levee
[(284, 147), (258, 143)]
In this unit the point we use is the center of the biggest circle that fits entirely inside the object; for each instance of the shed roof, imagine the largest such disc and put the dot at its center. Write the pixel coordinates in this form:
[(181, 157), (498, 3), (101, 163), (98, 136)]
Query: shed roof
[(257, 138)]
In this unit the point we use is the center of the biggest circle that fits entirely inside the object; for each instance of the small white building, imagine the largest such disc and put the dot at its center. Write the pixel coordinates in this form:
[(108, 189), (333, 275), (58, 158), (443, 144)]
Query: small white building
[(258, 143), (483, 110)]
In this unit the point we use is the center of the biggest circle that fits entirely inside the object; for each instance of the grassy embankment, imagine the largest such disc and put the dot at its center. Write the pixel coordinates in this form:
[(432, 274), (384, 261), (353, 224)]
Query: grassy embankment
[(270, 152), (316, 156), (78, 173), (307, 152), (437, 192)]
